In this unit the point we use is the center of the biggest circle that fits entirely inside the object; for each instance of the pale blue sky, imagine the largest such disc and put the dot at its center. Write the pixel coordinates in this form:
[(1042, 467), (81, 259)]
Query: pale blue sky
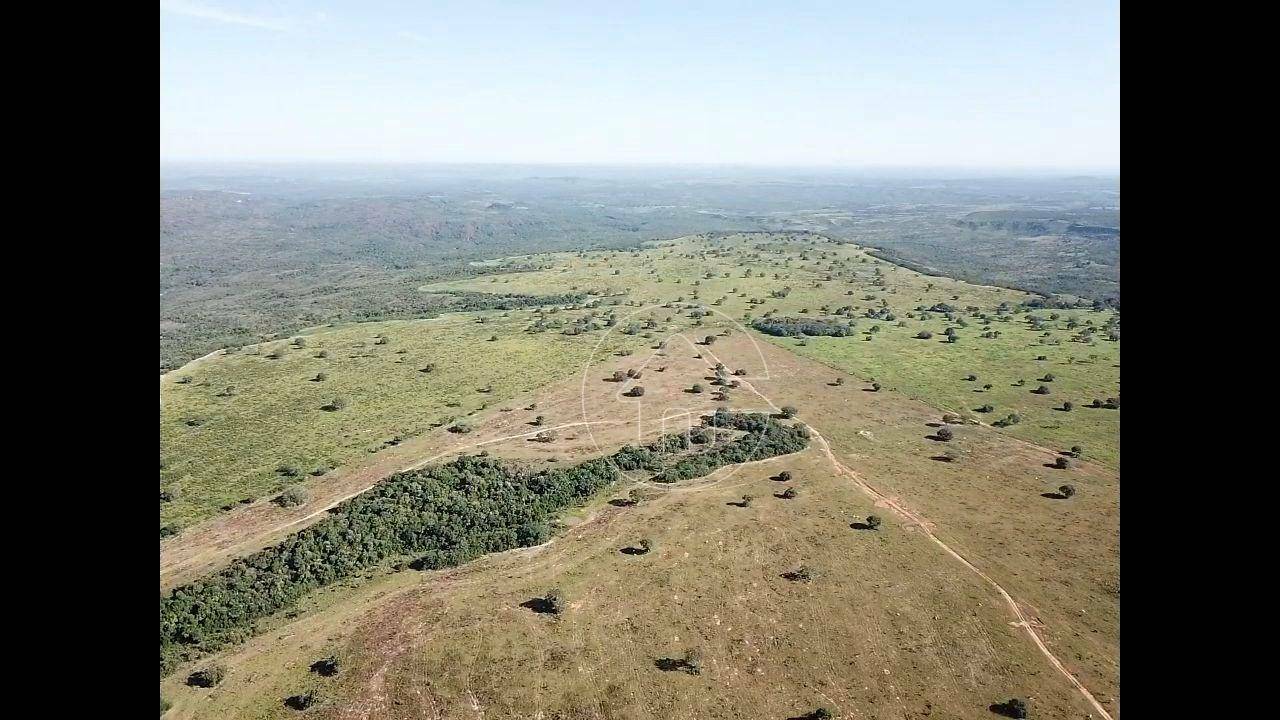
[(904, 83)]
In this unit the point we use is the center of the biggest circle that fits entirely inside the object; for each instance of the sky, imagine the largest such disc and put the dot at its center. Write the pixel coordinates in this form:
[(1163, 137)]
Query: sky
[(927, 83)]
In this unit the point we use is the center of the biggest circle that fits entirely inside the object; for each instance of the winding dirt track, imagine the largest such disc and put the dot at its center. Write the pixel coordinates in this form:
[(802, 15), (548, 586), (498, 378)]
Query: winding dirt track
[(911, 517)]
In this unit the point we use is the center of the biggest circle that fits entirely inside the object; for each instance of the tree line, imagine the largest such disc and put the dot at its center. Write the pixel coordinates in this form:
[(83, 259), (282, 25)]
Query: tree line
[(443, 516)]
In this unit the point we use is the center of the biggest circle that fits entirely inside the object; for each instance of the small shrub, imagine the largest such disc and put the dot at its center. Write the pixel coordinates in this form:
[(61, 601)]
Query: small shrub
[(208, 677), (1014, 708), (801, 574), (303, 701), (924, 335), (945, 434), (291, 497), (326, 667)]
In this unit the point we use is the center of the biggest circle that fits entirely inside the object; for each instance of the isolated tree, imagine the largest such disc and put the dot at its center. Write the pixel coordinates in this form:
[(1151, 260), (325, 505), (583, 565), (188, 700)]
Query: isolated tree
[(986, 408), (873, 522), (645, 545), (1068, 406), (789, 493), (328, 667), (321, 377), (618, 376), (697, 388), (875, 387), (335, 405), (708, 340), (746, 500), (789, 412), (693, 662), (1048, 377), (945, 434), (1062, 463), (784, 476), (1067, 490), (291, 497), (1042, 390), (493, 338), (839, 381), (302, 701), (971, 377), (538, 421), (1077, 451), (184, 380), (208, 677), (924, 335), (1013, 708), (554, 600), (546, 436)]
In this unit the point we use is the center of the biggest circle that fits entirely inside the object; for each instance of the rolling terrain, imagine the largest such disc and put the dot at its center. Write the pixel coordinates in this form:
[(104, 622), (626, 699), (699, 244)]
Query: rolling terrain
[(982, 582)]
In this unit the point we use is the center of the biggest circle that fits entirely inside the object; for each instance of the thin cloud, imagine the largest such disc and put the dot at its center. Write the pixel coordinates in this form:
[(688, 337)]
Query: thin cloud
[(407, 35), (208, 12)]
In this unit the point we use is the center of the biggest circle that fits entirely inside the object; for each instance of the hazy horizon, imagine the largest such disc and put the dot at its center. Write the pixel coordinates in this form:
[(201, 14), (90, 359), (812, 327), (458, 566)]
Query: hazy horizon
[(875, 87)]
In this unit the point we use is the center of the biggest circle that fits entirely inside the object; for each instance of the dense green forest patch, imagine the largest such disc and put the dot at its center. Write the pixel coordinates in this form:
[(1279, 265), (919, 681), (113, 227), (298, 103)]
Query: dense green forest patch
[(441, 516)]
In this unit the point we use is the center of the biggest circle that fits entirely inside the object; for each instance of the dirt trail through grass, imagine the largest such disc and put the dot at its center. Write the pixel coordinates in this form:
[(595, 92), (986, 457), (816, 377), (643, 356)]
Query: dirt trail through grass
[(906, 514)]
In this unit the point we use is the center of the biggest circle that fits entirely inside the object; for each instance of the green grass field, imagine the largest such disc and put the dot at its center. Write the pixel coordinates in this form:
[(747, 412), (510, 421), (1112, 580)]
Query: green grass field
[(274, 417), (890, 627), (930, 370)]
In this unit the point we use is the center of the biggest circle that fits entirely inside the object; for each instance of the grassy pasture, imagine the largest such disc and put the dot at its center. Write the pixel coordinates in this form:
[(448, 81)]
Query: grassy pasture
[(883, 629), (274, 416), (933, 371), (889, 626)]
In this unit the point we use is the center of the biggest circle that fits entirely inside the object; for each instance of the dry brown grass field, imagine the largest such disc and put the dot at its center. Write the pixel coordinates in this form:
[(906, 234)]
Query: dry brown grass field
[(888, 626)]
